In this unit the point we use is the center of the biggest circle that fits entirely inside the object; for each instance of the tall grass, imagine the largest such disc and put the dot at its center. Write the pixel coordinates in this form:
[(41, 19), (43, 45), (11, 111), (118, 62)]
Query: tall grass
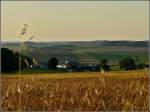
[(112, 91)]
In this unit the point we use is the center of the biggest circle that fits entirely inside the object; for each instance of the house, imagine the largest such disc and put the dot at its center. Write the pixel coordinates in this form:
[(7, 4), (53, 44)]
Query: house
[(80, 66)]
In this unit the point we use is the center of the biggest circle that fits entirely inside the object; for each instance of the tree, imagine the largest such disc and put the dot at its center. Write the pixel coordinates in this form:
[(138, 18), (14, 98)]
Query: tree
[(10, 61), (141, 66), (52, 63), (104, 65), (127, 64), (103, 62)]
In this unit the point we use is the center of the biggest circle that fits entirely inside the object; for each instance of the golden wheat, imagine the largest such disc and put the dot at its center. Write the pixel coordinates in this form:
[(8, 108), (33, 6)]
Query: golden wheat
[(91, 91)]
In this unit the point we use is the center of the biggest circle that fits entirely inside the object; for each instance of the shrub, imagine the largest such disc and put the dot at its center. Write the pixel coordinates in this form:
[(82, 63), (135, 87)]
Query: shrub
[(52, 63), (141, 66), (104, 65), (127, 64)]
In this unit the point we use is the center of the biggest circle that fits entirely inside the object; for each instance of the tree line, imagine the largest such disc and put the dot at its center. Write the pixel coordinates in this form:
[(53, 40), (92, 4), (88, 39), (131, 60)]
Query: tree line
[(10, 62), (127, 63)]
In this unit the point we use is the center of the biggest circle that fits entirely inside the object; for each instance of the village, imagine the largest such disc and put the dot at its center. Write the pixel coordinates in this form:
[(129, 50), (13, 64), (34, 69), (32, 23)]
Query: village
[(71, 65), (87, 66)]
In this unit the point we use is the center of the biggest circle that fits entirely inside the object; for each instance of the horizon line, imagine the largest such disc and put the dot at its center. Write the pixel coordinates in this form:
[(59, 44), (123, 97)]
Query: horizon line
[(69, 40)]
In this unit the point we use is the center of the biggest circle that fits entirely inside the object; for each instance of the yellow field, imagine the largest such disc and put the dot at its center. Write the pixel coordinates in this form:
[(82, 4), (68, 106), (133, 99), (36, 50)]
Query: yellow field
[(88, 91)]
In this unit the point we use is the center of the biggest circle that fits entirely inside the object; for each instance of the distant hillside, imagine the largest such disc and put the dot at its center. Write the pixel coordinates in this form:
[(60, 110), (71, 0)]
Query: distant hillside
[(100, 43), (82, 50)]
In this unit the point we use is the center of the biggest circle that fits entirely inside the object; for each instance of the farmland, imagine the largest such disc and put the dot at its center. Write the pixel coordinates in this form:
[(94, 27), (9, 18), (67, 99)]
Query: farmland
[(83, 51), (83, 91)]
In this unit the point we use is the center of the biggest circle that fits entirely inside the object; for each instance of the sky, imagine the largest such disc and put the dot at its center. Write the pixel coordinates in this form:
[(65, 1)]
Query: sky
[(75, 20)]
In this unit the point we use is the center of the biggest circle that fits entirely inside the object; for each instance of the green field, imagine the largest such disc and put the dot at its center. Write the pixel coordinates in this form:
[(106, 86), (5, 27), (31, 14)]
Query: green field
[(81, 51), (86, 54)]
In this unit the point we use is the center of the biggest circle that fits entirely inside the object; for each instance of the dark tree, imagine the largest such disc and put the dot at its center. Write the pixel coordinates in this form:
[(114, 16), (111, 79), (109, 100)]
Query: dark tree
[(147, 66), (52, 63), (104, 65), (103, 62), (127, 64), (10, 61), (141, 66)]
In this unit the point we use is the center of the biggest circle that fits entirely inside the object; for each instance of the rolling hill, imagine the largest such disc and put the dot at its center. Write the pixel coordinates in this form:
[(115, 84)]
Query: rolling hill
[(82, 50)]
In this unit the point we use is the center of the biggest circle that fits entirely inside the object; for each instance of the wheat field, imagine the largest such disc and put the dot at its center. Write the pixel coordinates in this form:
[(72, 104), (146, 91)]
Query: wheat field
[(85, 91)]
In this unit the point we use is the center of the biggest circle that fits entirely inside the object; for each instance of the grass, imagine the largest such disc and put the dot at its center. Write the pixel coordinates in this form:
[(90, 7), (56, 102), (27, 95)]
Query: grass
[(87, 91)]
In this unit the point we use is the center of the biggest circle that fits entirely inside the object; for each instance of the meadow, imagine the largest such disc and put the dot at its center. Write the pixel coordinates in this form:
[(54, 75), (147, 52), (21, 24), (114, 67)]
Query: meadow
[(80, 91)]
